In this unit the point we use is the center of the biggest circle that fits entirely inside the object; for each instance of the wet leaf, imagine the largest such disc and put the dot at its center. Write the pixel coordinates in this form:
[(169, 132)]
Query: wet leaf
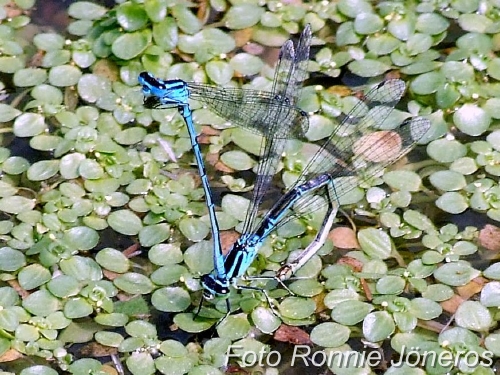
[(448, 180), (86, 10), (452, 202), (375, 243), (112, 260), (171, 299), (350, 312), (133, 283), (455, 273), (446, 151), (234, 327), (241, 16), (474, 316), (131, 16), (141, 363), (29, 125), (38, 370), (33, 276), (368, 67), (297, 308), (154, 234), (125, 222), (41, 303), (378, 325), (29, 77), (64, 75), (471, 119), (16, 204)]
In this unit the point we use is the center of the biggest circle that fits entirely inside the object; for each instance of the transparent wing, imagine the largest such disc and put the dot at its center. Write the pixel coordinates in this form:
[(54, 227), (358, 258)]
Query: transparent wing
[(290, 74), (358, 150)]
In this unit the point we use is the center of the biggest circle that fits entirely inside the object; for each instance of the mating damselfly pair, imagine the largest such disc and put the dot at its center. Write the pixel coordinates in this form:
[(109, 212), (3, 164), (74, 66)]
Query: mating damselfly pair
[(358, 149)]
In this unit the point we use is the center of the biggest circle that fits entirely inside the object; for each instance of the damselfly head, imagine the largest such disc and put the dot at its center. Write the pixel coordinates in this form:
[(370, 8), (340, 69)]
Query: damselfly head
[(214, 287), (148, 81)]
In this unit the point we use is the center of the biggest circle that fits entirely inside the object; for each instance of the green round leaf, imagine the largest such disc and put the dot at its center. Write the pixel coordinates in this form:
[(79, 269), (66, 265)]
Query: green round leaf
[(494, 68), (38, 370), (165, 254), (29, 125), (142, 329), (174, 366), (471, 119), (198, 257), (446, 151), (81, 268), (11, 260), (490, 294), (8, 113), (194, 229), (186, 322), (425, 309), (70, 165), (390, 285), (168, 275), (111, 339), (431, 23), (265, 320), (438, 292), (165, 33), (375, 243), (29, 77), (130, 45), (92, 87), (33, 276), (368, 67), (43, 170), (63, 286), (367, 23), (234, 327), (41, 303), (297, 308), (134, 283), (427, 83), (171, 299), (113, 319), (154, 234), (455, 273), (64, 75), (82, 238), (125, 222), (9, 321), (448, 180), (141, 363), (237, 160), (352, 8), (403, 180), (16, 204), (330, 334), (378, 325), (474, 316), (351, 312), (86, 10), (113, 260), (242, 16), (77, 308), (492, 343), (452, 202), (219, 72), (131, 16), (245, 63)]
